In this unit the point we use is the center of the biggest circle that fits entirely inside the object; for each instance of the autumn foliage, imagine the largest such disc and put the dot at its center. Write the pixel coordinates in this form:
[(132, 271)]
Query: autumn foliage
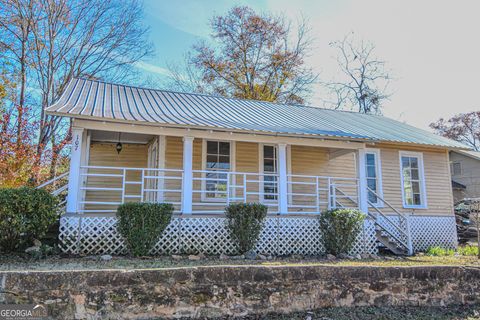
[(463, 127)]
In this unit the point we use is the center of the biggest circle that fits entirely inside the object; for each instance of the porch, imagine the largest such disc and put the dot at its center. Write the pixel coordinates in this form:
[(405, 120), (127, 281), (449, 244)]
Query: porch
[(202, 176)]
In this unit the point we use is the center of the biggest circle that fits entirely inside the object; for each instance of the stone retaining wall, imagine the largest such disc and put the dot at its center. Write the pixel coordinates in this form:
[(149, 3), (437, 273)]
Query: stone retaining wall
[(237, 290)]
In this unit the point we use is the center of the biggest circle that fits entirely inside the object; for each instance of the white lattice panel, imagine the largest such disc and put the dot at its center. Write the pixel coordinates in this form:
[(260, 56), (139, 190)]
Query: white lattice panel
[(280, 236), (433, 231)]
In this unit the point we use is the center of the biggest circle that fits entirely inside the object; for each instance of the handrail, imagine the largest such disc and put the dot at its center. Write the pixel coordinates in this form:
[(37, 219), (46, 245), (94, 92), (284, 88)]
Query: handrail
[(52, 180), (387, 203)]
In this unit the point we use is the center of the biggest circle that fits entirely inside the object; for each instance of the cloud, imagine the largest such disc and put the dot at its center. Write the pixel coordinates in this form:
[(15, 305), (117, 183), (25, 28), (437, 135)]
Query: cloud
[(152, 68)]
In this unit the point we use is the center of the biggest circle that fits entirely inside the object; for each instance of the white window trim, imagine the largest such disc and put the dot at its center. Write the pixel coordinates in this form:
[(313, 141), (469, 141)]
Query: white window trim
[(204, 197), (261, 171), (378, 169), (423, 189)]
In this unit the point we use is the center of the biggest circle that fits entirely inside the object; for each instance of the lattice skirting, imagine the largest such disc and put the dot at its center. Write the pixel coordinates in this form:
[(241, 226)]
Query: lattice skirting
[(431, 231), (280, 236)]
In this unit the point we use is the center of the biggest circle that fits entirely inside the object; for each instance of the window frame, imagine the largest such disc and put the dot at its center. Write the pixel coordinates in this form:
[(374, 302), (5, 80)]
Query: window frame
[(421, 176), (203, 196), (378, 171), (261, 170), (452, 168)]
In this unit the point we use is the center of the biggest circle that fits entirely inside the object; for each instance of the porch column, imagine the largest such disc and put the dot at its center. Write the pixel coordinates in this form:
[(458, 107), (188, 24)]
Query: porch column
[(282, 179), (187, 183), (362, 181), (74, 175)]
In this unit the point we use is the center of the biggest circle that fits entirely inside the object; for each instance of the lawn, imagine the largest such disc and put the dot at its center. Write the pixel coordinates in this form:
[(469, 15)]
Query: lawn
[(24, 262)]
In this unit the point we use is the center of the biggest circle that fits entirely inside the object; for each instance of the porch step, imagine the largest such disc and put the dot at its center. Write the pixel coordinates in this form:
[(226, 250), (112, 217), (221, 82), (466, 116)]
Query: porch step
[(390, 244)]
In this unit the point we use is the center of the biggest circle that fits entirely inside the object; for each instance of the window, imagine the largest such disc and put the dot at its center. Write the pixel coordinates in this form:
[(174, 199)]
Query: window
[(374, 176), (270, 189), (413, 182), (456, 168), (217, 163)]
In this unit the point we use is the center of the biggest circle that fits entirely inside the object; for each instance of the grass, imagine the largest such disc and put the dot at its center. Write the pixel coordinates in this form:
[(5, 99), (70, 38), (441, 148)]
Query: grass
[(379, 313), (24, 262)]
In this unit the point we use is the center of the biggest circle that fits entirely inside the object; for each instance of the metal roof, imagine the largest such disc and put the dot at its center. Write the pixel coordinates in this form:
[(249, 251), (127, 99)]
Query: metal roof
[(91, 99)]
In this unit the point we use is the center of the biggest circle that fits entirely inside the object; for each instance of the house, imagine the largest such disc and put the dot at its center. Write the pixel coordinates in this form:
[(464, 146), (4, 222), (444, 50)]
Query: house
[(202, 152), (465, 169)]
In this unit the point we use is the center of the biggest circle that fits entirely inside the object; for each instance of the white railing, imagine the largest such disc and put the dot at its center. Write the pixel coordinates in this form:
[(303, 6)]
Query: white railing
[(58, 187), (104, 188), (212, 190), (399, 231), (314, 194)]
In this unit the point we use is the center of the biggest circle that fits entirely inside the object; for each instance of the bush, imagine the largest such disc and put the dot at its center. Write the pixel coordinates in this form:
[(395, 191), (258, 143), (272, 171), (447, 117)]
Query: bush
[(244, 223), (339, 229), (25, 214), (142, 224), (439, 252), (468, 250)]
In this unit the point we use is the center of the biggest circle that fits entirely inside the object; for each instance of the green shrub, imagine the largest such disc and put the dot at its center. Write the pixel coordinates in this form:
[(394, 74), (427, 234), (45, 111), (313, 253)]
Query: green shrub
[(439, 251), (25, 214), (244, 223), (339, 229), (142, 224), (468, 250)]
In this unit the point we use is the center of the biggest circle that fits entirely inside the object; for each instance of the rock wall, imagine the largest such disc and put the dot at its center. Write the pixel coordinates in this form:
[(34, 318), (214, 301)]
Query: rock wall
[(218, 291)]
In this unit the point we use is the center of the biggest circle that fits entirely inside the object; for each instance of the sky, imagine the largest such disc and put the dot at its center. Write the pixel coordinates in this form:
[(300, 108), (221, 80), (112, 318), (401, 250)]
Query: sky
[(432, 47)]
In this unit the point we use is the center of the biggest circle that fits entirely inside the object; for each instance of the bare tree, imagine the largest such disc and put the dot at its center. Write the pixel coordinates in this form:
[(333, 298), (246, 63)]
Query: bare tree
[(463, 127), (364, 79), (16, 21), (255, 56)]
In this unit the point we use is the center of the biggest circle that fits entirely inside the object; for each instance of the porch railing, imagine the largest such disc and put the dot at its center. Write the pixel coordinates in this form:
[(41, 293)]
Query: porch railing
[(104, 188)]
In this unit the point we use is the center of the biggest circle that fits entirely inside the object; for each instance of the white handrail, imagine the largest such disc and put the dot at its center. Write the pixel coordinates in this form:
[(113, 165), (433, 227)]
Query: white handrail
[(52, 180)]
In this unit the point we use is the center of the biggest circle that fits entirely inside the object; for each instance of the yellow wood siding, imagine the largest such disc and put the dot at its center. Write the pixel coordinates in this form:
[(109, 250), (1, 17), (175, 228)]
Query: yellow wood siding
[(437, 180), (104, 154), (314, 161)]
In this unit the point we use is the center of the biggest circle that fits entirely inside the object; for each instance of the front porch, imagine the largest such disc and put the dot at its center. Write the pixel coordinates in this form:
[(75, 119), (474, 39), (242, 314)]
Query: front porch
[(202, 176)]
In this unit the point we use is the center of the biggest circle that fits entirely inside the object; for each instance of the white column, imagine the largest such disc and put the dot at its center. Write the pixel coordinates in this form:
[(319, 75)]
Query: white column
[(362, 181), (282, 179), (187, 184), (74, 175), (161, 165)]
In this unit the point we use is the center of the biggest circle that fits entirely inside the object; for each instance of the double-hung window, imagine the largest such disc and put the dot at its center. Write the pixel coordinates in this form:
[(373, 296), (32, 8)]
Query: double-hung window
[(218, 163), (269, 165), (413, 180), (373, 176)]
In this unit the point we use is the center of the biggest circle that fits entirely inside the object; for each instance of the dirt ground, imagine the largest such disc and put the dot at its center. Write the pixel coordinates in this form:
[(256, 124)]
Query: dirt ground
[(58, 262)]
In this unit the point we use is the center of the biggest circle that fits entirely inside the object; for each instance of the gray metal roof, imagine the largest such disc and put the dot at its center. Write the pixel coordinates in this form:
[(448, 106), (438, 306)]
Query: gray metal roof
[(104, 101)]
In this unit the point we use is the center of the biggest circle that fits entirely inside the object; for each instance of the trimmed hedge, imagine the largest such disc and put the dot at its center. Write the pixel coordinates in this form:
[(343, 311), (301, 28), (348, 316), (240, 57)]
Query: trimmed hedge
[(25, 214), (244, 223), (142, 224), (339, 229)]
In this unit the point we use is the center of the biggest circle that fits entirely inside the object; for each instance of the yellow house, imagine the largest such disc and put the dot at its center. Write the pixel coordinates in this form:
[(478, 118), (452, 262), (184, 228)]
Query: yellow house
[(202, 152)]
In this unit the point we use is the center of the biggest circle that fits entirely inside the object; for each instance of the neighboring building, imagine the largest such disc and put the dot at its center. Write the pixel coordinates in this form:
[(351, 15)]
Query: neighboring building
[(465, 170), (202, 152)]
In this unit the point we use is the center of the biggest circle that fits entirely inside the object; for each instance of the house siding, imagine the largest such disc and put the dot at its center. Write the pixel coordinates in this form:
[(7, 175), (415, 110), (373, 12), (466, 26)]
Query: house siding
[(469, 176), (303, 161)]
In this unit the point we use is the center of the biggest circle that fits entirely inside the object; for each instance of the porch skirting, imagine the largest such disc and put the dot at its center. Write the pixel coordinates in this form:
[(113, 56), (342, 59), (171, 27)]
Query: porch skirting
[(429, 231), (83, 234)]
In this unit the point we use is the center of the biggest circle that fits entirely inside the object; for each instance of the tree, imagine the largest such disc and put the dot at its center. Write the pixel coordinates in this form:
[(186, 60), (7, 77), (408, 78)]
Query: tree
[(364, 82), (252, 56), (99, 39), (463, 127)]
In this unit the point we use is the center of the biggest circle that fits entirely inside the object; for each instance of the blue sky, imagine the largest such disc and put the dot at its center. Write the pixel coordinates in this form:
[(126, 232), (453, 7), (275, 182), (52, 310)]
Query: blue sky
[(431, 46)]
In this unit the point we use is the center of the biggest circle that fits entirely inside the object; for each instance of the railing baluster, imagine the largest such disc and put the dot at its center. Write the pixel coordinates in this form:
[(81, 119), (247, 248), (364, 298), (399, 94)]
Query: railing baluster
[(245, 187), (317, 195), (123, 184)]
